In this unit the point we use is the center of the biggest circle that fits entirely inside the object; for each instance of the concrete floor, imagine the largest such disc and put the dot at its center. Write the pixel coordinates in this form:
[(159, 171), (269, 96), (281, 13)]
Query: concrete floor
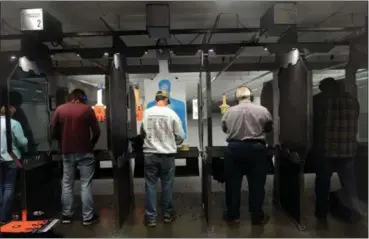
[(190, 221)]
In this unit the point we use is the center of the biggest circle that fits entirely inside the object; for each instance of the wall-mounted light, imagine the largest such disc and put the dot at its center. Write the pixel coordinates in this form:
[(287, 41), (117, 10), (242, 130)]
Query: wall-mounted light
[(78, 55), (145, 52), (13, 58), (265, 48), (106, 54), (211, 50)]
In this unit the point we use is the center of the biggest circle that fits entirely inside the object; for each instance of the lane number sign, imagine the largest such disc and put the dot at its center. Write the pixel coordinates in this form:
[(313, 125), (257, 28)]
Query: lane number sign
[(32, 19)]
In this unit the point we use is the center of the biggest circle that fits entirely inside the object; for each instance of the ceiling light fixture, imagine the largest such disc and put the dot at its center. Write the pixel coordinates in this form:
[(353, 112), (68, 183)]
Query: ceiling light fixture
[(211, 50), (106, 54), (265, 48)]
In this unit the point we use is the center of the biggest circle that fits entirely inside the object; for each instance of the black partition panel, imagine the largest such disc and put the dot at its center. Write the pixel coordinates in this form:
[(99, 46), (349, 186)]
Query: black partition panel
[(204, 101), (118, 117), (294, 96)]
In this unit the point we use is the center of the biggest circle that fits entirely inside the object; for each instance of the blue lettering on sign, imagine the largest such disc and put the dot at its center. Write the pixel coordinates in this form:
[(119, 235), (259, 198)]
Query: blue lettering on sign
[(177, 105)]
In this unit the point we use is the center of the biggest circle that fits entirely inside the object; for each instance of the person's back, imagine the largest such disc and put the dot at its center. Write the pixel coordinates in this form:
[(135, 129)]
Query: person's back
[(160, 126), (246, 121), (19, 141), (162, 131), (72, 126), (340, 126), (76, 122)]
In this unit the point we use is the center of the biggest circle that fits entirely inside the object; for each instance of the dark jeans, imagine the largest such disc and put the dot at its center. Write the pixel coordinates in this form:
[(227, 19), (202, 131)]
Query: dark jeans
[(159, 166), (250, 159), (324, 171), (8, 179)]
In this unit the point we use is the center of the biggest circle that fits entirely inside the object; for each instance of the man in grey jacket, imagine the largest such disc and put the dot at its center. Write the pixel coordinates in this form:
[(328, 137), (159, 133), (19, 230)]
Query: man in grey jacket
[(162, 132)]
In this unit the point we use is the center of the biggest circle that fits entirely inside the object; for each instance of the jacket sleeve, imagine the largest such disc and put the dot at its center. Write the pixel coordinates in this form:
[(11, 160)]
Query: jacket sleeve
[(178, 130)]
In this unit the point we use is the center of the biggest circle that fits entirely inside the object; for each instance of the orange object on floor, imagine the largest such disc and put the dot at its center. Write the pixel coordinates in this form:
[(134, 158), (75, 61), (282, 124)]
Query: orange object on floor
[(23, 226)]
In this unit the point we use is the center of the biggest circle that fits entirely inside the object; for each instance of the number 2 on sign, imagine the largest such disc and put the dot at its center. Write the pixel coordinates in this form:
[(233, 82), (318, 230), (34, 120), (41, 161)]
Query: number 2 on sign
[(38, 23)]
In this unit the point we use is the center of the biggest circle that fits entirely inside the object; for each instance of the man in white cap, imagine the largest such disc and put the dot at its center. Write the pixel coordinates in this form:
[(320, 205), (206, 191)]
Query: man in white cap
[(246, 125), (162, 131)]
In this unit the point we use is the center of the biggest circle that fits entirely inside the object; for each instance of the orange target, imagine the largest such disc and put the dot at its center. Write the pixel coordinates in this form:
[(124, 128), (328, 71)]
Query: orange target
[(139, 113), (100, 112)]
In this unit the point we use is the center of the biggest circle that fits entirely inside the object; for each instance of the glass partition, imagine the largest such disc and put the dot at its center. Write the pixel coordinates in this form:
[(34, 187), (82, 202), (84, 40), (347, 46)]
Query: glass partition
[(30, 97)]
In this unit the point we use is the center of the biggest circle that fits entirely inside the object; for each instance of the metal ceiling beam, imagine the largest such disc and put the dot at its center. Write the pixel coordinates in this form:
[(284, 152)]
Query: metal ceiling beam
[(138, 51), (179, 68), (186, 31)]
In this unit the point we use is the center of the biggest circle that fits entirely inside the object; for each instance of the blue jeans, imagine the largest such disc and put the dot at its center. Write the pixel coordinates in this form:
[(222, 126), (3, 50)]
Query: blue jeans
[(8, 179), (86, 166), (250, 159), (159, 166)]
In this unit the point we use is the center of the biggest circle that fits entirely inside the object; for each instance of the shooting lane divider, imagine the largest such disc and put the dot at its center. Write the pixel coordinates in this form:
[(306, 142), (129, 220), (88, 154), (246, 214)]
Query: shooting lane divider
[(224, 106)]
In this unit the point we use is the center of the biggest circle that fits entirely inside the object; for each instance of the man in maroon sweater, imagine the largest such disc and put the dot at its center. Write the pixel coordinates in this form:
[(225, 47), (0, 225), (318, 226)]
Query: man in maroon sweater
[(72, 125)]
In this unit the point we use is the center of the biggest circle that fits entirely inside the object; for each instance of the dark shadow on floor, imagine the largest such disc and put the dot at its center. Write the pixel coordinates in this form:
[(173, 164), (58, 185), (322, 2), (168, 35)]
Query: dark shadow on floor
[(190, 221)]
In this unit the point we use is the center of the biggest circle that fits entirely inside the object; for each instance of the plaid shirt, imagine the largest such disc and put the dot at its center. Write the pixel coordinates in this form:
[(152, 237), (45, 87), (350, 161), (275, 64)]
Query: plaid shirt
[(337, 116)]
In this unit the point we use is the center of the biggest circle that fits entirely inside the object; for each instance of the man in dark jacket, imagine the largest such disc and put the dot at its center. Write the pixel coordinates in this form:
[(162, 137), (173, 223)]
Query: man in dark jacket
[(335, 142)]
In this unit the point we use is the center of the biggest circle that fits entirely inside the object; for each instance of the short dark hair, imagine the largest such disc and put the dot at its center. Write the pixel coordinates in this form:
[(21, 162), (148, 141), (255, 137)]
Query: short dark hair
[(79, 95), (328, 84)]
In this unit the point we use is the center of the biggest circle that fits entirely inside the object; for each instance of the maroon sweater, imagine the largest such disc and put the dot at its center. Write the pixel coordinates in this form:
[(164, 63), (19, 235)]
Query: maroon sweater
[(72, 126)]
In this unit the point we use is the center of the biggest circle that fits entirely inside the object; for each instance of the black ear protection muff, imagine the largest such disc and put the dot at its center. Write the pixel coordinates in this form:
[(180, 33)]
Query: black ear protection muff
[(251, 94)]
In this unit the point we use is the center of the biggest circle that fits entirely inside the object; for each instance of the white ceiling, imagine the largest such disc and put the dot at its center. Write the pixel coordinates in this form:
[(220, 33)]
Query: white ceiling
[(85, 16)]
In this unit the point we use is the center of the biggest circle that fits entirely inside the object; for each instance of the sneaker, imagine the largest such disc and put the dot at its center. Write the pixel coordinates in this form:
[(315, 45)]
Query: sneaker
[(66, 219), (168, 219), (230, 220), (151, 224), (93, 220), (261, 222)]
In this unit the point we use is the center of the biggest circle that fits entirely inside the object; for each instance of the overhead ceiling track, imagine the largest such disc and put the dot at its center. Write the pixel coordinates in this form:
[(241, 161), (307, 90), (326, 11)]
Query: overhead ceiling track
[(180, 68), (186, 32), (191, 49)]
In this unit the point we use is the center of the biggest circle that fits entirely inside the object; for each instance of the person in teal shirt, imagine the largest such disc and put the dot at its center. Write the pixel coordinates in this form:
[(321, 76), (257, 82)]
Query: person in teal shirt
[(8, 168)]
